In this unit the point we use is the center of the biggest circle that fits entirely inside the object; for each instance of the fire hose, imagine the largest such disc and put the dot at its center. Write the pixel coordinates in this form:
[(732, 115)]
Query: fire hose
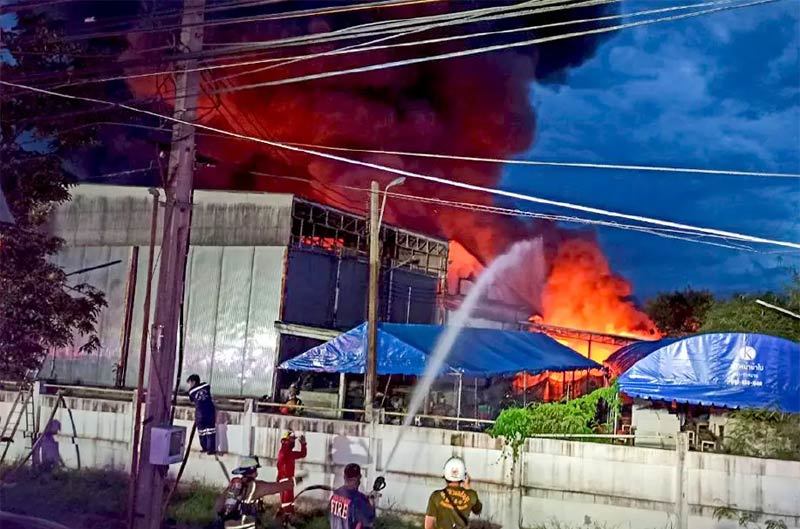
[(377, 486)]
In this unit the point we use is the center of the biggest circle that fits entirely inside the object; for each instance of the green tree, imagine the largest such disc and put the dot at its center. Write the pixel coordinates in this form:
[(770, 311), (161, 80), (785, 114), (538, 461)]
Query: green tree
[(680, 312), (40, 307), (576, 416), (743, 314)]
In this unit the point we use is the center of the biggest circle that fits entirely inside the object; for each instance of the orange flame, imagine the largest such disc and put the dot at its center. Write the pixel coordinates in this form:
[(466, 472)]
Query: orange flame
[(326, 243), (583, 293)]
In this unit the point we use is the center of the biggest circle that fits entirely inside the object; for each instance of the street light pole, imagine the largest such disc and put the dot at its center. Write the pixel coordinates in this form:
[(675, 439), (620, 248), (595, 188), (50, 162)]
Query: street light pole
[(371, 373), (375, 218)]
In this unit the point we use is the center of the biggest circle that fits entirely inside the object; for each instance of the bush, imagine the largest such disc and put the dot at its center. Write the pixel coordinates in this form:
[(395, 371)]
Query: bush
[(763, 433), (576, 416)]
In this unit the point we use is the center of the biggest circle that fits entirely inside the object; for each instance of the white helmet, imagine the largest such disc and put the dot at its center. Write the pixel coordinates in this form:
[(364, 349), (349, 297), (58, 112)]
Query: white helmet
[(455, 470)]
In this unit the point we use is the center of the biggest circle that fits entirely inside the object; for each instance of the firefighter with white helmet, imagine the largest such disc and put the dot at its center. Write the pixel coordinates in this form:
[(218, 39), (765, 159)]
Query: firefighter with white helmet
[(450, 507), (237, 507)]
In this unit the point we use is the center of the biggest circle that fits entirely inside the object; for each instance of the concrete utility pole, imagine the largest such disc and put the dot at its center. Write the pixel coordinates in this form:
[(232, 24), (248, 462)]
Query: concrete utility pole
[(177, 218), (371, 369)]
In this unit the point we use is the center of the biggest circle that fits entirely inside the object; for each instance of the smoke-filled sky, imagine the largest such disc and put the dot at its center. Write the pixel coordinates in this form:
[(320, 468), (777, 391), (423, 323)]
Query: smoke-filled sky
[(721, 91)]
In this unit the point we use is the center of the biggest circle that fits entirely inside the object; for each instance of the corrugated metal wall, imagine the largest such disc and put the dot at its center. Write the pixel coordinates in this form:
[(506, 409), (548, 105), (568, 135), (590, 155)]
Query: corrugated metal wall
[(311, 299), (71, 365), (102, 215), (232, 301)]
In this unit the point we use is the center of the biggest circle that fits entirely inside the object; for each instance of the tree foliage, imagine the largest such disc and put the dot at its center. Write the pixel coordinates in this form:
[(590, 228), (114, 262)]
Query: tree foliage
[(680, 312), (763, 433), (743, 314), (577, 416), (40, 306)]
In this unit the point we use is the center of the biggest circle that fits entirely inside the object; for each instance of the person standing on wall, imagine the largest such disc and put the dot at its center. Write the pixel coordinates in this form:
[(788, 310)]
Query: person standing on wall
[(349, 507), (450, 507), (287, 456), (205, 413)]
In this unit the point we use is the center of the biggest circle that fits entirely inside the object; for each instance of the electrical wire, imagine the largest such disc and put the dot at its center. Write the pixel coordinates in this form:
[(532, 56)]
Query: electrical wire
[(400, 25), (499, 161), (380, 4), (477, 15), (369, 46), (462, 17), (661, 232), (669, 233), (486, 49), (576, 165), (429, 178)]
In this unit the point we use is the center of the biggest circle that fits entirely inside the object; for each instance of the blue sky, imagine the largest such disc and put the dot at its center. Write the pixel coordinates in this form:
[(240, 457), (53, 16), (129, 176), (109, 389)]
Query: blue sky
[(720, 91)]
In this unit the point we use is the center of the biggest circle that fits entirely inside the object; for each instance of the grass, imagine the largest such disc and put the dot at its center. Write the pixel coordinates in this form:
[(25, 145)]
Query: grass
[(89, 498), (193, 505), (555, 524), (96, 499)]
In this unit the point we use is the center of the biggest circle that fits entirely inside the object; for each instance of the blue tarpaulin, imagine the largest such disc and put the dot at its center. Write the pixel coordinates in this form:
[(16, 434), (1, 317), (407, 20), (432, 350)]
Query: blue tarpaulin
[(623, 358), (404, 350), (734, 370)]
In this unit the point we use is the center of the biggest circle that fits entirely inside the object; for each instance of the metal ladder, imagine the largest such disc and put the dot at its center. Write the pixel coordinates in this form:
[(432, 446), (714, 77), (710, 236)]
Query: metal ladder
[(23, 407)]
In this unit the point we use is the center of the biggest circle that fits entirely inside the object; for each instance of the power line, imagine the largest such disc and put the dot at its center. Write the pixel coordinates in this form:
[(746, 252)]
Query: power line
[(578, 165), (352, 48), (434, 179), (477, 159), (261, 18), (660, 232), (349, 33), (400, 25), (486, 49), (461, 17)]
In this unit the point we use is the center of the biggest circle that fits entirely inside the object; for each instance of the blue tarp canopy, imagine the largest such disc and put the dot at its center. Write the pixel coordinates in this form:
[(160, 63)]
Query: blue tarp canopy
[(404, 350), (623, 358), (734, 370)]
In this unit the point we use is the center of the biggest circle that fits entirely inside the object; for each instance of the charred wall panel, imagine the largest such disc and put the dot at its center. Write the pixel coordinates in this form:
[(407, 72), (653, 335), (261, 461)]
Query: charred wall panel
[(410, 297), (310, 288), (313, 277), (351, 309)]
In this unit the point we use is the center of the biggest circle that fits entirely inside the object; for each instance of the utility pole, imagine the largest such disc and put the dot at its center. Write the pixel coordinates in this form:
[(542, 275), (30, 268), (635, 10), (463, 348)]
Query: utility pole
[(174, 243), (371, 369)]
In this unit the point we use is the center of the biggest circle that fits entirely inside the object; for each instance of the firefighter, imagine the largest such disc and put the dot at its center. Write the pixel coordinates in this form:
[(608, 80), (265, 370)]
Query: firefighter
[(287, 455), (205, 413), (237, 506), (349, 507), (450, 507)]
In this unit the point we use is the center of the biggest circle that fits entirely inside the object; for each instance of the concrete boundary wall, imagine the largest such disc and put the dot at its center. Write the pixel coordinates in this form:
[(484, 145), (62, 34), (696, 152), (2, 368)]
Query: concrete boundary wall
[(575, 483)]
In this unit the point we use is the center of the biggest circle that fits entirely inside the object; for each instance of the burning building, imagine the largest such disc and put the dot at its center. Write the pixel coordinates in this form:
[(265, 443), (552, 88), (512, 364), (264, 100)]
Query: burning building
[(268, 276), (477, 105)]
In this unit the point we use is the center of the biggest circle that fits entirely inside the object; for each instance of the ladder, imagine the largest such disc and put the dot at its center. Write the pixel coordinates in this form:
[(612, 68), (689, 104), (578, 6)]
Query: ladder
[(22, 408)]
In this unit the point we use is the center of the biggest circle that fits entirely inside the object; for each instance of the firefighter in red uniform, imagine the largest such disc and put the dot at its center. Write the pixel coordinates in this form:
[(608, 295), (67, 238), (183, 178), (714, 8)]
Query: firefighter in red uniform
[(287, 456)]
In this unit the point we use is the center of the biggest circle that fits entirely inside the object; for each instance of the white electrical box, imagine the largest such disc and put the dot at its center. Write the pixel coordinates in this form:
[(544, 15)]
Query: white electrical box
[(167, 444)]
